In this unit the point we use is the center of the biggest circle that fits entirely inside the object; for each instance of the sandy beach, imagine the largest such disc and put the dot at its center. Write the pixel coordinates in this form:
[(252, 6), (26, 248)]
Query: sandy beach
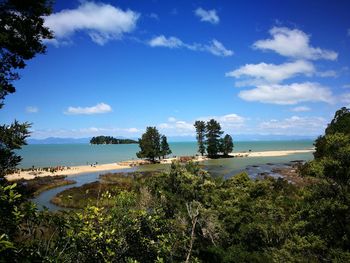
[(270, 153), (73, 170)]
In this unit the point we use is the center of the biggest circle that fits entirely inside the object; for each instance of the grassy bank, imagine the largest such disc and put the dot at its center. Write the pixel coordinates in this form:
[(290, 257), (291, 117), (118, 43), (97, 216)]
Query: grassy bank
[(36, 186), (92, 193)]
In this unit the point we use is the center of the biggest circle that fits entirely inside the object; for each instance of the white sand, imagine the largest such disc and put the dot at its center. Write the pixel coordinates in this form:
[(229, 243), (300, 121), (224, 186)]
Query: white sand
[(27, 175), (270, 153)]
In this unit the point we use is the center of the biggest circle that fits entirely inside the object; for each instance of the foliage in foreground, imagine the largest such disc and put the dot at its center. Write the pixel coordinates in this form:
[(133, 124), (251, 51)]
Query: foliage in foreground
[(185, 215)]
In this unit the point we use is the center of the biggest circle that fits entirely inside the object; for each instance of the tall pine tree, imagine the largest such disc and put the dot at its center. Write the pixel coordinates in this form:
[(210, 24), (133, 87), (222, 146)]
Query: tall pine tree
[(213, 133), (200, 130), (164, 147), (226, 145), (150, 144)]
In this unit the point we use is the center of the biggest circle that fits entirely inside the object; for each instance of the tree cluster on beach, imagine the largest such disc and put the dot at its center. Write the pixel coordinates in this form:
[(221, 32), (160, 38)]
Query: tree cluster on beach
[(153, 145), (209, 139), (110, 140)]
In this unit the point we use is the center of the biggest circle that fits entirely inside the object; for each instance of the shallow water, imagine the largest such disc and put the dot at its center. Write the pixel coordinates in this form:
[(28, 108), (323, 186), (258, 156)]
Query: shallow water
[(44, 155), (219, 167)]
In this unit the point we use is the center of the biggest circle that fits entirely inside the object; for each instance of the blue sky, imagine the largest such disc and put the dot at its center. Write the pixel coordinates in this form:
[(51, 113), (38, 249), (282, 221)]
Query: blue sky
[(115, 67)]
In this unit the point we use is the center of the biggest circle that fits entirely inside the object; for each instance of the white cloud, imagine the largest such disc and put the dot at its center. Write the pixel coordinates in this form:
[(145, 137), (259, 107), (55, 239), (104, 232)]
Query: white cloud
[(294, 125), (300, 109), (218, 49), (207, 15), (98, 108), (32, 109), (271, 73), (288, 94), (232, 119), (102, 22), (293, 43), (132, 130), (327, 73), (346, 86), (162, 41), (214, 47), (345, 98), (175, 127)]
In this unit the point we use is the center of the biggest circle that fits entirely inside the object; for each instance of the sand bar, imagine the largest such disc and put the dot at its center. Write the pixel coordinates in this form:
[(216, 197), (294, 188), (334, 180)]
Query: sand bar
[(73, 170), (271, 153)]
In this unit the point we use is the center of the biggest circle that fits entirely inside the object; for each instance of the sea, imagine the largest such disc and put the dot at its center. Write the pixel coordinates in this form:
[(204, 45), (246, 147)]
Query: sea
[(44, 155)]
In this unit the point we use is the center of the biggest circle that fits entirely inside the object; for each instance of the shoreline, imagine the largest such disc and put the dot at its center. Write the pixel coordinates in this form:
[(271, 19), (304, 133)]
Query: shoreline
[(74, 170)]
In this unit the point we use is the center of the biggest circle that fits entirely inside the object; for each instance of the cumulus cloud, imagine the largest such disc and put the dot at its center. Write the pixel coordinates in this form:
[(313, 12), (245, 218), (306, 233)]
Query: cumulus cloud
[(271, 73), (214, 47), (294, 125), (177, 128), (228, 120), (293, 43), (288, 94), (207, 15), (32, 109), (301, 109), (97, 109), (173, 126), (102, 22)]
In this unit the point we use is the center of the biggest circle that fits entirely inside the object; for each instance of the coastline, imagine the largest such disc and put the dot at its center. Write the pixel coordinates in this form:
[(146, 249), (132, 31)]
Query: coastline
[(74, 170), (270, 153)]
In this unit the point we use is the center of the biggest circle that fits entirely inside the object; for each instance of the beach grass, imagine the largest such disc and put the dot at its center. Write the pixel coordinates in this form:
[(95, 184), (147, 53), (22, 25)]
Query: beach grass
[(36, 186), (91, 193)]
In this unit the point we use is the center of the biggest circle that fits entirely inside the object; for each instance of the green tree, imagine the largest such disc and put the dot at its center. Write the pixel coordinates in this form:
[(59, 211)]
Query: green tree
[(325, 216), (12, 137), (150, 144), (21, 33), (200, 130), (339, 124), (226, 145), (164, 147), (213, 133)]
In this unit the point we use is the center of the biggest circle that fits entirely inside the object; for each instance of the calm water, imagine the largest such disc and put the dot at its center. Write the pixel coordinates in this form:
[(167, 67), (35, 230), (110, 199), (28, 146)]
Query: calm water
[(41, 155), (49, 155)]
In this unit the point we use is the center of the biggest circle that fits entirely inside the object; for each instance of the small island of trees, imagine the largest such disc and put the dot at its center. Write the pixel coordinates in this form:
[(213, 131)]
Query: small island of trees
[(110, 140)]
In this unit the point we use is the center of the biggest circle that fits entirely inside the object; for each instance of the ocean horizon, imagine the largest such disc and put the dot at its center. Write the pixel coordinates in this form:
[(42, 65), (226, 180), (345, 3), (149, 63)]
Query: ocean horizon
[(44, 155)]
